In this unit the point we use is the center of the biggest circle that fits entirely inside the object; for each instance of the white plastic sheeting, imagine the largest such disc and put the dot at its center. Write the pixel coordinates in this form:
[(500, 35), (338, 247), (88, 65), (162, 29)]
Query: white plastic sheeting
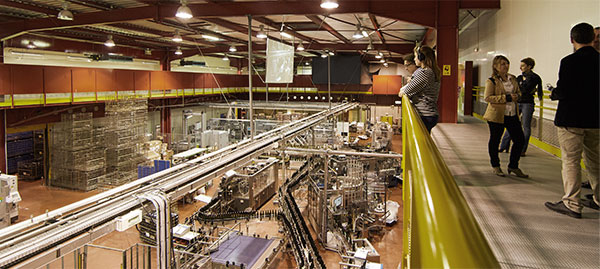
[(280, 62)]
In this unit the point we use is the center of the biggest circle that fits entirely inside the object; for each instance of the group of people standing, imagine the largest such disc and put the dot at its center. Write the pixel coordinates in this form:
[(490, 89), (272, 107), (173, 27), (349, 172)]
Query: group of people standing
[(577, 117), (511, 105)]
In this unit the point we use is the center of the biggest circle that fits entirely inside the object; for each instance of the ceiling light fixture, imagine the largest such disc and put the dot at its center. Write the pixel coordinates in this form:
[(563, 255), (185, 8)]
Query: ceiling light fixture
[(331, 53), (31, 45), (147, 51), (385, 64), (357, 34), (300, 47), (177, 37), (370, 46), (306, 63), (232, 49), (184, 11), (178, 51), (261, 32), (378, 55), (364, 32), (324, 55), (109, 42), (329, 4), (382, 60), (65, 14), (211, 38), (285, 34), (225, 58)]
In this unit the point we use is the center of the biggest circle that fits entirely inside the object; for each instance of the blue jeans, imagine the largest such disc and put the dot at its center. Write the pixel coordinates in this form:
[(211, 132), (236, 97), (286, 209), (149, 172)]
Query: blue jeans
[(430, 122), (526, 110)]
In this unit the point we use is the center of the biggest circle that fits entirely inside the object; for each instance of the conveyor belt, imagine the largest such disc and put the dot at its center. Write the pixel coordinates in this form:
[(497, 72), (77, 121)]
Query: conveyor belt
[(26, 239)]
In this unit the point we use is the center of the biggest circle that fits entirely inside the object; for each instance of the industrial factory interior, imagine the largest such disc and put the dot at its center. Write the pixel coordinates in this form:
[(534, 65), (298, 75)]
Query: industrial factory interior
[(275, 134)]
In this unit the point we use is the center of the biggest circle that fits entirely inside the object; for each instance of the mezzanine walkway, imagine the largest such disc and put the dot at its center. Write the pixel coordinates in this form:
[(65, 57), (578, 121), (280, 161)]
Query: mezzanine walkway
[(522, 232)]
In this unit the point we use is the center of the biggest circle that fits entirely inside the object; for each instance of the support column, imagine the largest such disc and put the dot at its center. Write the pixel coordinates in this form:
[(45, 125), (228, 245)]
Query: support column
[(3, 141), (447, 50), (165, 122), (468, 88)]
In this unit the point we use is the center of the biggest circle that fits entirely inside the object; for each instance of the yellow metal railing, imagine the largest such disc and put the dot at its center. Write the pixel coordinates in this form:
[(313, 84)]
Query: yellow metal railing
[(440, 230)]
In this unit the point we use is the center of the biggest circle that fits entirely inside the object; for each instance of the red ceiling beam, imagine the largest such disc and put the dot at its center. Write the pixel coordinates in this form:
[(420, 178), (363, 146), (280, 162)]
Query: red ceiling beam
[(29, 6), (324, 25), (396, 48), (376, 26), (420, 12), (12, 29), (479, 4)]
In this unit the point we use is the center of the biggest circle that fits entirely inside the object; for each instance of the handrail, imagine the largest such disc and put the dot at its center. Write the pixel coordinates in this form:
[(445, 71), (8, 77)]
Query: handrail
[(440, 230)]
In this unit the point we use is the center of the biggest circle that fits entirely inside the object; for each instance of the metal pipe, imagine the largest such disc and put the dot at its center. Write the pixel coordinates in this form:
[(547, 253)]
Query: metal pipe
[(250, 76), (338, 152)]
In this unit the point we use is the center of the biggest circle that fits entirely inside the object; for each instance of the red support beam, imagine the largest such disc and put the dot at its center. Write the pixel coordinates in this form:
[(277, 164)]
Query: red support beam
[(324, 25), (3, 141), (377, 29), (29, 6), (447, 50), (479, 4), (468, 88), (15, 28)]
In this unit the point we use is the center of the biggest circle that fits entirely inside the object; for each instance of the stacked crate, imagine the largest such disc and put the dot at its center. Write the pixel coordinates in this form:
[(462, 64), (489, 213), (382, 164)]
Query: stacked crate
[(78, 154), (125, 122)]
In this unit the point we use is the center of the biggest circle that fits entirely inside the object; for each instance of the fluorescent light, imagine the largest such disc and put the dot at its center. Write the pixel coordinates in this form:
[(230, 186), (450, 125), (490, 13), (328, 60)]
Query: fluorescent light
[(184, 11), (491, 52), (109, 42), (232, 49), (65, 14), (300, 47), (76, 58), (211, 38), (331, 53), (177, 37), (285, 34), (261, 33), (364, 33), (178, 51), (357, 34), (329, 4), (26, 54)]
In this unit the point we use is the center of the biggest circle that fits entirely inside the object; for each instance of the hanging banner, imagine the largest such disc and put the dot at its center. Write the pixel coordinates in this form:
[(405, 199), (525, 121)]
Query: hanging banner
[(280, 62)]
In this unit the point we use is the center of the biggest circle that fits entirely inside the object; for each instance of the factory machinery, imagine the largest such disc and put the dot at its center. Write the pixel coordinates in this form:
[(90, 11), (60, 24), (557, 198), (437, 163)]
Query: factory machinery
[(304, 248), (36, 242)]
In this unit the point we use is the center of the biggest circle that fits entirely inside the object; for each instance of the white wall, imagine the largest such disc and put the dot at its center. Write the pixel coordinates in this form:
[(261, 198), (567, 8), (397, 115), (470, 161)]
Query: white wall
[(527, 28)]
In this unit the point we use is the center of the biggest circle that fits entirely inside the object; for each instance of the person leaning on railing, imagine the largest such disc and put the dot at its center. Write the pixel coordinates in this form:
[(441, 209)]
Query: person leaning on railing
[(577, 121), (424, 87), (529, 84), (501, 94)]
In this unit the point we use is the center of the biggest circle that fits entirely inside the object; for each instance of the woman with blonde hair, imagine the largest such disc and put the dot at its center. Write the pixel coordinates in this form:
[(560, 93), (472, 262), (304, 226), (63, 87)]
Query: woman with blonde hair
[(424, 87), (502, 93)]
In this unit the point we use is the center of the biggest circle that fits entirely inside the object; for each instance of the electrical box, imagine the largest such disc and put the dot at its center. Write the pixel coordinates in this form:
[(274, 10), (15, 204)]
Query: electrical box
[(129, 220)]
